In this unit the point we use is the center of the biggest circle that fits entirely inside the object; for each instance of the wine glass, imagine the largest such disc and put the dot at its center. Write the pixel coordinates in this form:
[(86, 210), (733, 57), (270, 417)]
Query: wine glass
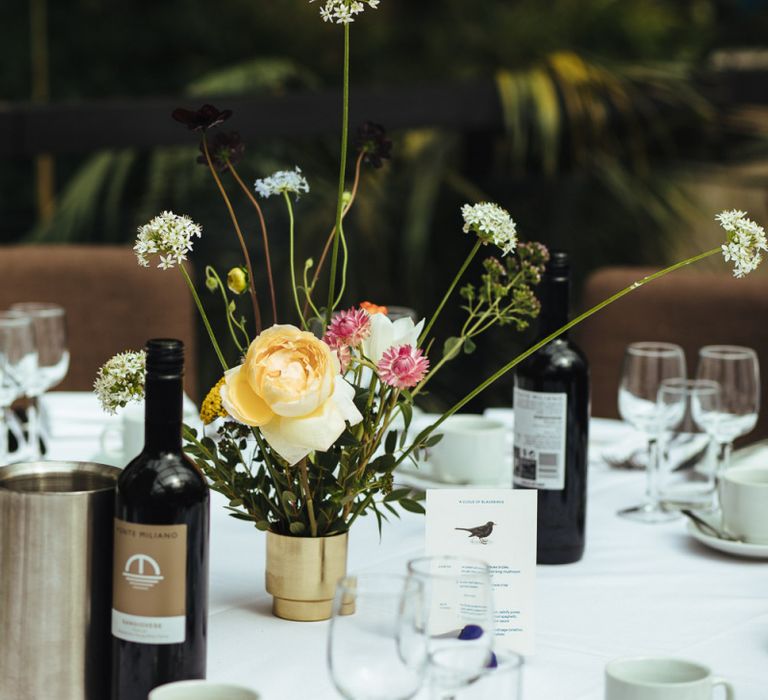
[(458, 621), (49, 326), (376, 643), (733, 412), (680, 487), (646, 366), (18, 360)]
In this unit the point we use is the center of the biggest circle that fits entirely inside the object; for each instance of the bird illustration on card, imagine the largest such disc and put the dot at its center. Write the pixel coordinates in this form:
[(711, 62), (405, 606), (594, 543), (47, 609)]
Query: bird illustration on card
[(482, 532)]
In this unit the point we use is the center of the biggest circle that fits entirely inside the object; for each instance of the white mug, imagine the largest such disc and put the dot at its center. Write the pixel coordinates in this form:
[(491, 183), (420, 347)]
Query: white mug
[(201, 690), (744, 502), (122, 441), (642, 678), (473, 450)]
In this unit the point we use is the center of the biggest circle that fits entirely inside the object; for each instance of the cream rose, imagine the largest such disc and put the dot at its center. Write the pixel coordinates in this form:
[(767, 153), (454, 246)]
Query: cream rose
[(290, 388)]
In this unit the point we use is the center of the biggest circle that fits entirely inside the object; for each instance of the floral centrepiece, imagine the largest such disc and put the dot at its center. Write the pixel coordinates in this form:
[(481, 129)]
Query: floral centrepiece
[(311, 416)]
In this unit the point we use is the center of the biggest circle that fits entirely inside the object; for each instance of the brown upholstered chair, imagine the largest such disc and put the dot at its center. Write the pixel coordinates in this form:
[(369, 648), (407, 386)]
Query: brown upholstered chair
[(688, 307), (112, 304)]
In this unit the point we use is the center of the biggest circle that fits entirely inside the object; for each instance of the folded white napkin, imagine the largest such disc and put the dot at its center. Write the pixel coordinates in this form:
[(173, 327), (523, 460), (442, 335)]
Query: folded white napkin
[(71, 414)]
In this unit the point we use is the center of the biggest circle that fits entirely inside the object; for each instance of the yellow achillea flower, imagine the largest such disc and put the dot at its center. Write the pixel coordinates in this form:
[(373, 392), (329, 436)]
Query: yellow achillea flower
[(211, 408)]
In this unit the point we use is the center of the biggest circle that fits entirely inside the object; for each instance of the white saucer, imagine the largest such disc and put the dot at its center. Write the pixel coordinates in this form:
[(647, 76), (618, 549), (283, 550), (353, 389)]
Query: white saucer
[(417, 479), (739, 549)]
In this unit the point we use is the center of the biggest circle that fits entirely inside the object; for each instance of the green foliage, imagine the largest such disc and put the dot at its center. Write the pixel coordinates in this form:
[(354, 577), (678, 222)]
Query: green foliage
[(327, 491)]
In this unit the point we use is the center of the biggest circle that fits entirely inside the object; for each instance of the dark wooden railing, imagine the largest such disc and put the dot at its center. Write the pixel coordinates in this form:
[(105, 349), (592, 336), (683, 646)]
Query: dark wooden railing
[(30, 129)]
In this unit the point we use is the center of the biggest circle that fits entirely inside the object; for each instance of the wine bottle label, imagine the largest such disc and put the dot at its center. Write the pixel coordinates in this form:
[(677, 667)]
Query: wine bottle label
[(149, 589), (539, 448)]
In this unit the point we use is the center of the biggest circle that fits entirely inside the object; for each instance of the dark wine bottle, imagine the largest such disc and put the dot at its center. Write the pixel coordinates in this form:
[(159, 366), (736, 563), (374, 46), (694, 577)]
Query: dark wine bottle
[(551, 403), (160, 585)]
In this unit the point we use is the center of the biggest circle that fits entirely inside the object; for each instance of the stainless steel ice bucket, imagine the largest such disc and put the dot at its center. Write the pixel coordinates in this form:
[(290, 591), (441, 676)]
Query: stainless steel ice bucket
[(55, 580)]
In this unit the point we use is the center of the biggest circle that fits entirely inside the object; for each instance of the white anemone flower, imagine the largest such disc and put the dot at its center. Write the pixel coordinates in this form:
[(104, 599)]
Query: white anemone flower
[(386, 334), (291, 181), (492, 224), (168, 236), (121, 380), (745, 241)]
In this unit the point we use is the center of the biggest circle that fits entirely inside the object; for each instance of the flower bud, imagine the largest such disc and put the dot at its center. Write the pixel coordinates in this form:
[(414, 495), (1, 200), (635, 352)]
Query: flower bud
[(237, 280), (211, 284), (346, 198)]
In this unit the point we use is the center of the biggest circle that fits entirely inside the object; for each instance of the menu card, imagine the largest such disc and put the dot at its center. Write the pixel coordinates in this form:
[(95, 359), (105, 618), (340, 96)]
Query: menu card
[(497, 526)]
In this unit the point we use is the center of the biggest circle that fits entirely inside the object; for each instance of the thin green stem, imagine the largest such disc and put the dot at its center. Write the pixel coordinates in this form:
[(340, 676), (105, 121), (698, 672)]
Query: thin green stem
[(478, 329), (443, 360), (360, 509), (204, 316), (470, 329), (304, 478), (574, 322), (210, 272), (264, 236), (342, 178), (471, 311), (240, 238), (308, 303), (456, 279), (343, 267), (291, 245), (271, 469), (332, 235)]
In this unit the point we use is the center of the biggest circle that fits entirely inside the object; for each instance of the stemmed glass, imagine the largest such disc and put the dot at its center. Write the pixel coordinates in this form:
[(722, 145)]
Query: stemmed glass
[(49, 326), (376, 643), (458, 621), (733, 411), (677, 399), (646, 366), (18, 360)]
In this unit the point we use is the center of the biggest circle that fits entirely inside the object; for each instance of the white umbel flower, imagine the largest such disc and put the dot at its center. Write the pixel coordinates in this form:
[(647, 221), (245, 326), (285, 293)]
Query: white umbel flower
[(344, 11), (168, 236), (492, 224), (291, 181), (121, 380), (745, 241)]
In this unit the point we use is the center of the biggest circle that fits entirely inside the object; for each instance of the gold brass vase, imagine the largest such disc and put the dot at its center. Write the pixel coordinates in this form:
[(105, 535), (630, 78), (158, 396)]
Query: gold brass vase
[(302, 573)]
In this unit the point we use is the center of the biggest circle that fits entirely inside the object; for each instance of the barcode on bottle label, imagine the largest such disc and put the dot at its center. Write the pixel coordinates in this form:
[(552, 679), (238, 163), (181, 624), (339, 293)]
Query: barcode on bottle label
[(539, 448)]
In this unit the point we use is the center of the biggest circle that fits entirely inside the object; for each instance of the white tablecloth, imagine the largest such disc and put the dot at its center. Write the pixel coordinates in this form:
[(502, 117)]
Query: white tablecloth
[(640, 589)]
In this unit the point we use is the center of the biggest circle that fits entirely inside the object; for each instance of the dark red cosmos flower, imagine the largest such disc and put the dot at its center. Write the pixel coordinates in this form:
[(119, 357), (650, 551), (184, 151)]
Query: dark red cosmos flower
[(202, 119), (222, 148), (373, 143)]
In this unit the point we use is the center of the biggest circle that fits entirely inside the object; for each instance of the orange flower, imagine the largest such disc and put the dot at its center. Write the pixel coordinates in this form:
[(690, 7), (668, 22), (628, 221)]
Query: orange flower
[(372, 308)]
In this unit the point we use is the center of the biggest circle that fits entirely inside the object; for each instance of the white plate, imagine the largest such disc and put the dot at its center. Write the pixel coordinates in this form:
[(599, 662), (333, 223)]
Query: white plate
[(739, 549)]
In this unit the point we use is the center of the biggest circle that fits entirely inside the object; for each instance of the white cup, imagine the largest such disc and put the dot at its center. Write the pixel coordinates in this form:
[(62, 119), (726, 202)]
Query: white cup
[(202, 690), (642, 678), (473, 450), (122, 441), (744, 502)]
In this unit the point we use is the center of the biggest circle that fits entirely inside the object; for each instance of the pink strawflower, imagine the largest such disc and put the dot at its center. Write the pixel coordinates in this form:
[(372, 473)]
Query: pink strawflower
[(344, 353), (349, 328), (403, 366)]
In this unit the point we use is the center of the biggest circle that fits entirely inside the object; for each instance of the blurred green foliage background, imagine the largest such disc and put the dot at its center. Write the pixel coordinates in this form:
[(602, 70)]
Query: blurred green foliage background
[(606, 128)]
